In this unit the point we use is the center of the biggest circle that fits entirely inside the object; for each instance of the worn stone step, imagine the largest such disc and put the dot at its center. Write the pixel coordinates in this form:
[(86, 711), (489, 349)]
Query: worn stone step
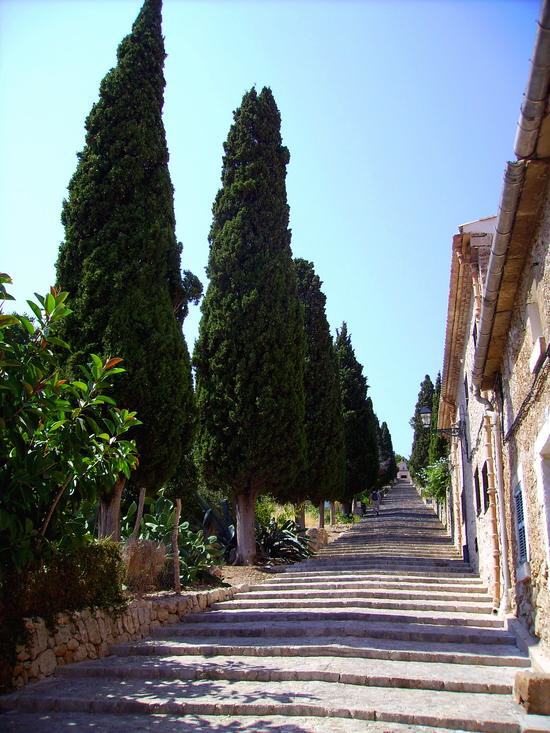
[(367, 562), (350, 671), (390, 594), (473, 712), (387, 576), (382, 584), (363, 648), (351, 601), (17, 722), (360, 647), (322, 614), (390, 630)]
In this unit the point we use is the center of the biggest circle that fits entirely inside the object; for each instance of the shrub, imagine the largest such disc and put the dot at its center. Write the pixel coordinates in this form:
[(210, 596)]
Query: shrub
[(197, 554), (144, 561), (342, 518), (62, 440), (285, 542), (436, 480), (73, 578)]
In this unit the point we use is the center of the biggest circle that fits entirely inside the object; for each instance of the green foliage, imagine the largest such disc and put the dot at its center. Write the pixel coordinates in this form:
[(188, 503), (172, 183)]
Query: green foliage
[(250, 353), (342, 518), (268, 508), (197, 552), (421, 436), (323, 477), (388, 465), (438, 446), (62, 440), (72, 577), (436, 480), (360, 430), (76, 577), (120, 259), (282, 541)]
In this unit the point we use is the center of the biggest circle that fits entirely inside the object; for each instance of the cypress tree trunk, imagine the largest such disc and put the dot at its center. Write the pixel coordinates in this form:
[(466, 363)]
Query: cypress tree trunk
[(321, 514), (346, 507), (300, 515), (333, 513), (176, 548), (109, 512), (246, 530)]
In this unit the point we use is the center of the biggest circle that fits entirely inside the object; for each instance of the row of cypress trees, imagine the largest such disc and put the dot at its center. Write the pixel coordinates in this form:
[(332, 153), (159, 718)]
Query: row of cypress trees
[(428, 445), (279, 407)]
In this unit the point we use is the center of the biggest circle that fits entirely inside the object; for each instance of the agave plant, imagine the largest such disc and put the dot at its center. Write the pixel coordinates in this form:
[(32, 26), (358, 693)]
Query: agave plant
[(285, 542)]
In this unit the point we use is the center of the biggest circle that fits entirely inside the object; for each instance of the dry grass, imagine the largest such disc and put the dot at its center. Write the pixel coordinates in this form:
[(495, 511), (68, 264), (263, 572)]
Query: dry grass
[(144, 561)]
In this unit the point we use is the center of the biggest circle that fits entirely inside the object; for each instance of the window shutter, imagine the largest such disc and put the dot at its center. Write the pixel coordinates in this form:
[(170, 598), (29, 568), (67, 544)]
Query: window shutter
[(520, 525)]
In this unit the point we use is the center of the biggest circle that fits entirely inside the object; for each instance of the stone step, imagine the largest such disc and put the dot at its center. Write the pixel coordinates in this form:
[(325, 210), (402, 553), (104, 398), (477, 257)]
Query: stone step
[(499, 655), (349, 671), (488, 713), (285, 583), (19, 722), (391, 594), (350, 566), (389, 630), (351, 601), (393, 551), (320, 614), (416, 576)]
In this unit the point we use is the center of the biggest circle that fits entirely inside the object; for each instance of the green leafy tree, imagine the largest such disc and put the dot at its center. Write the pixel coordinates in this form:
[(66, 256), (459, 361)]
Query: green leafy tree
[(250, 353), (360, 436), (438, 447), (120, 260), (323, 477), (421, 435), (436, 480), (62, 440)]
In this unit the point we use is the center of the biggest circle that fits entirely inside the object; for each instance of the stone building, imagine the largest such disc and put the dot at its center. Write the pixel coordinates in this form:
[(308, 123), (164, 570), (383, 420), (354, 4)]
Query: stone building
[(495, 394)]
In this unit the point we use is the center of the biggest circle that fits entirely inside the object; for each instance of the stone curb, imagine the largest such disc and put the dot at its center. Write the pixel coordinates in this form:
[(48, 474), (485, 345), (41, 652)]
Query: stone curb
[(90, 634)]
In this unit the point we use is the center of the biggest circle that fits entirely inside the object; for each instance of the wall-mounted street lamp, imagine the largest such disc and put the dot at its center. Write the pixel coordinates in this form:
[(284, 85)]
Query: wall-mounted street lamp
[(426, 416), (457, 431)]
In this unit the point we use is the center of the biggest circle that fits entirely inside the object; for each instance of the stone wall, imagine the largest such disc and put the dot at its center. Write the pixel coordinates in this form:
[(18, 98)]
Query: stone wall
[(89, 634), (526, 410)]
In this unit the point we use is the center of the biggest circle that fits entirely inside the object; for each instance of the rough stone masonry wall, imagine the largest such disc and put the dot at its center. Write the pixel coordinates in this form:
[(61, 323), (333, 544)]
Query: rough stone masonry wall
[(89, 634), (530, 598)]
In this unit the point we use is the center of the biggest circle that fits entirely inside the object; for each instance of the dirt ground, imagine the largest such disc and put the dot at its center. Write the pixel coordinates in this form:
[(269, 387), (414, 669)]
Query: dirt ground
[(254, 574), (251, 574)]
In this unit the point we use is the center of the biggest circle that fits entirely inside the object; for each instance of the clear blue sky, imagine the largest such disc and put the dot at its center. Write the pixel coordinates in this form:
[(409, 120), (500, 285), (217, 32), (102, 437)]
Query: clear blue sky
[(399, 117)]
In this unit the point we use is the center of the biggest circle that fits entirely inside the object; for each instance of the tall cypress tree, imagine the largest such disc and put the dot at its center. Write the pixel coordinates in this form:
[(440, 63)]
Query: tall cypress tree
[(359, 426), (387, 455), (324, 473), (421, 436), (250, 353), (438, 447), (120, 260)]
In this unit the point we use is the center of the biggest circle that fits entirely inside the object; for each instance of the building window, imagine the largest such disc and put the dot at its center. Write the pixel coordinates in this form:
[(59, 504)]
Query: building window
[(474, 334), (466, 393), (478, 492), (538, 342), (521, 530), (485, 485)]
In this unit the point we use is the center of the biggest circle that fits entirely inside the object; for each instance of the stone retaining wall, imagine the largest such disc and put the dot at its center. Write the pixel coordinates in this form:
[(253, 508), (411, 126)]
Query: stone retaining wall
[(89, 634)]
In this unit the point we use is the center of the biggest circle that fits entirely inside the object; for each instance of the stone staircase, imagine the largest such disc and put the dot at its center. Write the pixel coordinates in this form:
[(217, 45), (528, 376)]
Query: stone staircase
[(384, 630)]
